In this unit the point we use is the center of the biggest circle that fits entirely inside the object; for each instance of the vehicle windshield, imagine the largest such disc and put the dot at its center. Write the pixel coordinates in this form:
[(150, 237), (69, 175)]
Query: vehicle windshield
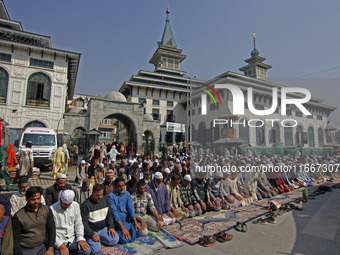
[(39, 140)]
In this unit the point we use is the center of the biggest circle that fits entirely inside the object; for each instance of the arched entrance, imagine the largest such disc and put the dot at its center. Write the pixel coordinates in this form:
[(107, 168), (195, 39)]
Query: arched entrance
[(35, 123), (117, 128), (78, 138)]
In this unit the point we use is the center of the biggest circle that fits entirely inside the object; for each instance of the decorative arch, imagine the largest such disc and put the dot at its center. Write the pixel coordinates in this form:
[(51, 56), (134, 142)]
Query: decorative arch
[(78, 132), (35, 123), (38, 90), (125, 122), (311, 139), (3, 85)]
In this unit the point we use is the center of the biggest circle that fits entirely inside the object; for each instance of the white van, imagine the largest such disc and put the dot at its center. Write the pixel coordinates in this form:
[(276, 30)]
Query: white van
[(44, 144)]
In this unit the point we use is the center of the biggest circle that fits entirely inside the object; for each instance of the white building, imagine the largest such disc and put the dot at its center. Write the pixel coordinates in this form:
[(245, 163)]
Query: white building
[(161, 90), (272, 133), (36, 80)]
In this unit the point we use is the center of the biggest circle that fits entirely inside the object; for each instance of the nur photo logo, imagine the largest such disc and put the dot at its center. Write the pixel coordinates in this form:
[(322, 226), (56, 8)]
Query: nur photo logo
[(238, 99), (204, 98)]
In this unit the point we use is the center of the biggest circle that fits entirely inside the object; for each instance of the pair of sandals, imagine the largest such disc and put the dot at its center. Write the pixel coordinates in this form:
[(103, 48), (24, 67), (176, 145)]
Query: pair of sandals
[(223, 237), (241, 227), (264, 221), (207, 241)]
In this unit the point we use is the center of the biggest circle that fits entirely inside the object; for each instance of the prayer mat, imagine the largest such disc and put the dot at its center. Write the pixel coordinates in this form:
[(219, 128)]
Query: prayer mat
[(150, 244), (191, 230)]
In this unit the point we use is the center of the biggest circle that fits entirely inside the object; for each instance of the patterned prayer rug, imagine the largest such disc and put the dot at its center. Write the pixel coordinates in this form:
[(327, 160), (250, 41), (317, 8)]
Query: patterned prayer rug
[(190, 230), (150, 244)]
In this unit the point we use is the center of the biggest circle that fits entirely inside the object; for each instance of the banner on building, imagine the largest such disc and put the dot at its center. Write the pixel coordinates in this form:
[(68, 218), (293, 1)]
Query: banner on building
[(175, 127)]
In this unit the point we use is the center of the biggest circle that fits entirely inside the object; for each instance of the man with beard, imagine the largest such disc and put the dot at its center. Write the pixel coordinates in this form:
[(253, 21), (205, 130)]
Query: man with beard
[(32, 224), (142, 203), (124, 216), (108, 183), (52, 192), (18, 199), (161, 199), (69, 226)]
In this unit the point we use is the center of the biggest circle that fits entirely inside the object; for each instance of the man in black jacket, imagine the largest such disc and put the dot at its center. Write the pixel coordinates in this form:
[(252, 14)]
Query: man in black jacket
[(52, 192), (32, 224)]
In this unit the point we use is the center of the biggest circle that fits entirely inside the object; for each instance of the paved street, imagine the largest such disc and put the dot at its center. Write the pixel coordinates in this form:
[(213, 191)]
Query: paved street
[(315, 230)]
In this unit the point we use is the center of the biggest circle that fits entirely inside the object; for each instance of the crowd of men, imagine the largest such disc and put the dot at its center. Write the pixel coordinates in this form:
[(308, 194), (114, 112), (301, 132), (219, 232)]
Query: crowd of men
[(118, 201)]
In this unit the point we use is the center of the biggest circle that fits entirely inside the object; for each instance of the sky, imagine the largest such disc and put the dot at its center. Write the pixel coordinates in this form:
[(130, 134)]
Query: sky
[(116, 38)]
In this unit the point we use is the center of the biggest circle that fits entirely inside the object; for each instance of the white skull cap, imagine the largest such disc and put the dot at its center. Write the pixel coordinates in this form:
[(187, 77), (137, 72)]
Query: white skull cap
[(67, 196)]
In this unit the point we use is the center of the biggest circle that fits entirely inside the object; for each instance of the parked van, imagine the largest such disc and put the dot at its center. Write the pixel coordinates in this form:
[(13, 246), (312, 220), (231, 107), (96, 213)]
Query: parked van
[(44, 144)]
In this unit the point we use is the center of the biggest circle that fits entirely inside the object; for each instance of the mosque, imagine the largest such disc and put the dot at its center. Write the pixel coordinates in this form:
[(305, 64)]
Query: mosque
[(158, 107)]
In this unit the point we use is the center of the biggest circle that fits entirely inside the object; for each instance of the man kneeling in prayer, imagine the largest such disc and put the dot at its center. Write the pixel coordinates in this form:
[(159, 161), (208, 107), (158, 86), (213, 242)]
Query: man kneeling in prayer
[(142, 203), (127, 227)]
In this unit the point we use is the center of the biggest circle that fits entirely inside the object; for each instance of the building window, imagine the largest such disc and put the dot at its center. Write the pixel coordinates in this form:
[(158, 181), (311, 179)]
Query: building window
[(141, 100), (170, 103), (299, 135), (5, 57), (41, 63), (79, 102), (310, 116), (274, 134), (289, 112), (259, 107), (298, 113), (311, 140), (38, 90), (320, 137), (155, 114), (170, 63), (3, 85), (155, 102), (260, 134), (244, 130), (106, 122), (105, 134), (319, 117), (288, 133), (170, 117)]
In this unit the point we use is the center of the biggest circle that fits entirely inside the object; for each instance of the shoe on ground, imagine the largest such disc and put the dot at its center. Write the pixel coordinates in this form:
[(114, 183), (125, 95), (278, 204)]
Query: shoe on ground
[(260, 221)]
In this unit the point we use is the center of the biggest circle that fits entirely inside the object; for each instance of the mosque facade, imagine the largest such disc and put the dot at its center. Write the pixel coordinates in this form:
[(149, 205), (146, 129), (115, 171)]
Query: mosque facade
[(285, 130), (35, 79)]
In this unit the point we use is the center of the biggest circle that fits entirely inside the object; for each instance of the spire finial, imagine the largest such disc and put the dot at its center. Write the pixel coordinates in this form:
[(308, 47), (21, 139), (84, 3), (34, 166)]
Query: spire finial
[(167, 11), (254, 39)]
